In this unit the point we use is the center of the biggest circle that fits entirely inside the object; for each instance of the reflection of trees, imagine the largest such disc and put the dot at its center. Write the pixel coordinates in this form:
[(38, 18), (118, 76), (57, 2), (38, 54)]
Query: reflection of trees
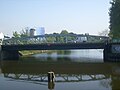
[(106, 83), (113, 82), (64, 52), (53, 55), (63, 59), (0, 71)]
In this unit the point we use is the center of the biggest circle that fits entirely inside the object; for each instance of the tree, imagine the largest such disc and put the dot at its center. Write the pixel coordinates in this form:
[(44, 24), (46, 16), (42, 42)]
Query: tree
[(114, 14), (64, 32), (104, 32), (16, 34), (23, 33)]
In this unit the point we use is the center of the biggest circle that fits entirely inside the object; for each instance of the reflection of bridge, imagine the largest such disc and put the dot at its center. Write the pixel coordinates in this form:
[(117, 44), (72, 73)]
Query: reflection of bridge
[(58, 77), (64, 72), (36, 72)]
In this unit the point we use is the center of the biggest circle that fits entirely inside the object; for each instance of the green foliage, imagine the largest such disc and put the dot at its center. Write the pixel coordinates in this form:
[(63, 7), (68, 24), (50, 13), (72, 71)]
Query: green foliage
[(64, 32), (104, 32), (115, 19), (16, 34), (50, 39), (61, 38), (23, 34), (58, 37)]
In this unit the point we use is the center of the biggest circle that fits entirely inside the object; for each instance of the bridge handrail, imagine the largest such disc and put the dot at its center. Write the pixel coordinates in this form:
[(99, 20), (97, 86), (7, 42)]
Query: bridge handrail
[(43, 39)]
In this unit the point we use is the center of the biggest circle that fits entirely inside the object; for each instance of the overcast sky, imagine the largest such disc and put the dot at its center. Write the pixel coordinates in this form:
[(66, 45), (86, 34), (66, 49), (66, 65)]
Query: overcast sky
[(78, 16)]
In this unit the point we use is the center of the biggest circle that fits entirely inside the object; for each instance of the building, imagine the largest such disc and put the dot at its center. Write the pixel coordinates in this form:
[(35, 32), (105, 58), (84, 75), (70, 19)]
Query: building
[(1, 37), (40, 31), (32, 32), (81, 39), (35, 31)]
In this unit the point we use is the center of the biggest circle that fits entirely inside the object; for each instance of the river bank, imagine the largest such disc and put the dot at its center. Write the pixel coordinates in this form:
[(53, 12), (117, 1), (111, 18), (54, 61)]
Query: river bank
[(31, 52)]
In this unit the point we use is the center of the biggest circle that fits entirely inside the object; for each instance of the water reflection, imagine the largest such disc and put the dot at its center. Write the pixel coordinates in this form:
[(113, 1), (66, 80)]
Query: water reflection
[(108, 74), (72, 55), (51, 85)]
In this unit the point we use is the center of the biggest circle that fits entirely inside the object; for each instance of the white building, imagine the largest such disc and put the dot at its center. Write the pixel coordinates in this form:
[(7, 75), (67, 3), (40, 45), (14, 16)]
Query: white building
[(40, 31), (1, 37), (81, 39), (32, 32), (35, 31)]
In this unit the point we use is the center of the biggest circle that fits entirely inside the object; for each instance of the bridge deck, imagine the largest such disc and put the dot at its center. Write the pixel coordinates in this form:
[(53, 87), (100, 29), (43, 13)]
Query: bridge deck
[(57, 46)]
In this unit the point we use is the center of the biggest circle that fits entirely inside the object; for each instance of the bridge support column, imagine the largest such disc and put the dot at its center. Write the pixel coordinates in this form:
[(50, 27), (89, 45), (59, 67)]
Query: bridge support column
[(9, 55), (112, 52), (105, 53)]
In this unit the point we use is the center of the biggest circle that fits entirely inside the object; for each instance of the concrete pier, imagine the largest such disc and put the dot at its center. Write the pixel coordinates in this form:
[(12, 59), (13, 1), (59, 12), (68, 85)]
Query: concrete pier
[(112, 52), (8, 55)]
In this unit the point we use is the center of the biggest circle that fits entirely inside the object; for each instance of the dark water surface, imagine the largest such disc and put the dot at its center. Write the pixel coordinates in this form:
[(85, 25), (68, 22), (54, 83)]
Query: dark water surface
[(74, 70)]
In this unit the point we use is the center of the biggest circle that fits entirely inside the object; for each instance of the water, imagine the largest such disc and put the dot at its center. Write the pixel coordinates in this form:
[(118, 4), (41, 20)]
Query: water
[(78, 70), (73, 55)]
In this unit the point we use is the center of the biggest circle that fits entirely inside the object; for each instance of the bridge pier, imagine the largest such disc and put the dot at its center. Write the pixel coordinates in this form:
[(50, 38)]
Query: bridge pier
[(9, 55), (112, 52), (105, 53)]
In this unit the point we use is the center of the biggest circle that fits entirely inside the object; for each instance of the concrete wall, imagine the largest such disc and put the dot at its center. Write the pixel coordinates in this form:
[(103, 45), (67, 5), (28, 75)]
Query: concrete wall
[(112, 52), (9, 55)]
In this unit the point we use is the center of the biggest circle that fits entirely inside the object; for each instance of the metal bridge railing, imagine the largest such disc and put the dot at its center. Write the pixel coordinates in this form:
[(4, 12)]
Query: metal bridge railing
[(54, 39)]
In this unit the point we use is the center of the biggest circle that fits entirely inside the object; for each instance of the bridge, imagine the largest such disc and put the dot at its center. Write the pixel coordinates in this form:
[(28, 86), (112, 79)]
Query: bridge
[(10, 47), (56, 42), (53, 46)]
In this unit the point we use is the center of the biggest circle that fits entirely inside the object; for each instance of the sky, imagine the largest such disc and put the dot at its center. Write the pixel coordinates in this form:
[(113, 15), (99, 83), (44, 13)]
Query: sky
[(78, 16)]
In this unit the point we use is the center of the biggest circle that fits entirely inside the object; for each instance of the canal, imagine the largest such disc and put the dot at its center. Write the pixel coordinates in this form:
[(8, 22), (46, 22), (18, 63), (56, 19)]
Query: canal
[(74, 69)]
